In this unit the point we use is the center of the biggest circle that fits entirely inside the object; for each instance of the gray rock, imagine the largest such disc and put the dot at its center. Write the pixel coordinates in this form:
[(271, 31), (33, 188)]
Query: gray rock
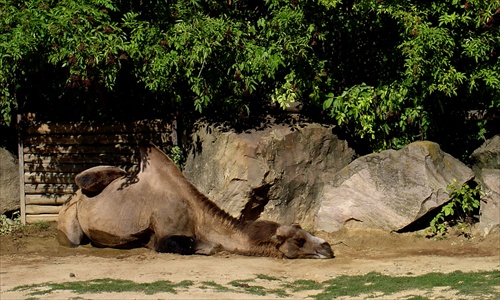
[(486, 166), (274, 174), (489, 212), (487, 156), (389, 190), (9, 182)]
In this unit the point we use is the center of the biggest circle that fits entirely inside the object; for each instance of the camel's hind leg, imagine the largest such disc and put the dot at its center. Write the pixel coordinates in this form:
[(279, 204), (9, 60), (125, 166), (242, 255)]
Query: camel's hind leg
[(69, 231)]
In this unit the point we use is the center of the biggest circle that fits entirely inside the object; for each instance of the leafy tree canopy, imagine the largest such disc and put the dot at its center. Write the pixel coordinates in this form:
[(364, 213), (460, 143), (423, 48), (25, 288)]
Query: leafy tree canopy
[(387, 72)]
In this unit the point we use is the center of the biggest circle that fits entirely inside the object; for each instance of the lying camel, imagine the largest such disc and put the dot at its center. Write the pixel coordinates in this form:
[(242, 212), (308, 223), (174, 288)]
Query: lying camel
[(160, 209)]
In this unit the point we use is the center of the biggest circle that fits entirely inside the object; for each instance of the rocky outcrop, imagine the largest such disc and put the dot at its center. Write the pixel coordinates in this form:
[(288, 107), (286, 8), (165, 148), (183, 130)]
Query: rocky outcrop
[(486, 166), (9, 182), (274, 173), (389, 190)]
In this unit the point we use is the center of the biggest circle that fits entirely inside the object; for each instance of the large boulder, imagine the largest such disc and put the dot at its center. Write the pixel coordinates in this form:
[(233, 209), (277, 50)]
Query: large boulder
[(9, 182), (275, 173), (389, 190), (486, 166)]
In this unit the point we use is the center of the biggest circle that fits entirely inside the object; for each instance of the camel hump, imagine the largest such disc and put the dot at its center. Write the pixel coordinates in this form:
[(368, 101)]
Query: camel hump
[(95, 179)]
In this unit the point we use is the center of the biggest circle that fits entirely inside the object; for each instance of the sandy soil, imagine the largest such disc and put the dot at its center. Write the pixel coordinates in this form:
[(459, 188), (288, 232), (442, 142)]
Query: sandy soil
[(32, 258)]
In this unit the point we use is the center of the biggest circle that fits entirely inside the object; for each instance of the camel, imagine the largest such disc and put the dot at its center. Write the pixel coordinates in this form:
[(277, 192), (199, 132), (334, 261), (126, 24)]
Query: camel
[(158, 208)]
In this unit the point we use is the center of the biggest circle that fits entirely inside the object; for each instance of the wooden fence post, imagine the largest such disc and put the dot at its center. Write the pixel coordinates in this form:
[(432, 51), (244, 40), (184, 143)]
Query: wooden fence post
[(20, 152)]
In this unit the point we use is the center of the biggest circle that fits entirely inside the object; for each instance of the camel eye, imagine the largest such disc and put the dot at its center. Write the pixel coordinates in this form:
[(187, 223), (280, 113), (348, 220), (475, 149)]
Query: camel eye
[(300, 242)]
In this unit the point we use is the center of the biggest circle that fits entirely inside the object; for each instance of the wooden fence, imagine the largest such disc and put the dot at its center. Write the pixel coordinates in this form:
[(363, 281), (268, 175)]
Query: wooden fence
[(51, 154)]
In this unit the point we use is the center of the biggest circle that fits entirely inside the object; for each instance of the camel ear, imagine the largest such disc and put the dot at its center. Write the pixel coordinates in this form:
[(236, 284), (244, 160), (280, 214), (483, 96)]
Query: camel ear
[(278, 239), (297, 226), (281, 234)]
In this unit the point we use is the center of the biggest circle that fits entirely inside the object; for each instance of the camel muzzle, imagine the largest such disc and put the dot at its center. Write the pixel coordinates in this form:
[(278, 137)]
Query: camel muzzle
[(325, 251)]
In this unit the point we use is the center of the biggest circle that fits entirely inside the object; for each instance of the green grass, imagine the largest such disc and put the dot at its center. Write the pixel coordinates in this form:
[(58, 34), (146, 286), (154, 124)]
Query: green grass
[(215, 286), (470, 284), (267, 277), (304, 285), (105, 285), (417, 298), (247, 286), (478, 285)]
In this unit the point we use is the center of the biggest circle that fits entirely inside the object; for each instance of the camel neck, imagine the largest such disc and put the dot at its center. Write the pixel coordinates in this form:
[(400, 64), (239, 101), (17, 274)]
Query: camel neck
[(247, 238), (212, 224)]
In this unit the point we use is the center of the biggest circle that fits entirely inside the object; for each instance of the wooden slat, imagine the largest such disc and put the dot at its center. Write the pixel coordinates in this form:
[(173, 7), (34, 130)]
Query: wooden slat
[(30, 219), (121, 138), (33, 178), (42, 209), (72, 168), (88, 127), (50, 188), (47, 199), (81, 158), (87, 149)]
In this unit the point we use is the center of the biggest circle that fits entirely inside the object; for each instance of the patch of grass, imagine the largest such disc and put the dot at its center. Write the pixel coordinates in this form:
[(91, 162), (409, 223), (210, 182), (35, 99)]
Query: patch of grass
[(304, 285), (245, 286), (42, 225), (267, 277), (105, 285), (279, 292), (418, 298), (215, 286), (241, 282), (256, 290), (471, 284)]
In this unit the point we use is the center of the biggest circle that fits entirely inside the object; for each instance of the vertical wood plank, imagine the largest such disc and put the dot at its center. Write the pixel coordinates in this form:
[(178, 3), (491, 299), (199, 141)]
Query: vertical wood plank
[(173, 132), (20, 152)]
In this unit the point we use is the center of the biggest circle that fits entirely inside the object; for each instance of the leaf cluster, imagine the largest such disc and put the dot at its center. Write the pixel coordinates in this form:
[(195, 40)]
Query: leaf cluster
[(460, 210), (8, 225)]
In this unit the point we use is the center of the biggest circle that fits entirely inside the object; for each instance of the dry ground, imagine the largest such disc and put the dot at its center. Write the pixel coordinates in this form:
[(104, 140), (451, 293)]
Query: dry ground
[(33, 257)]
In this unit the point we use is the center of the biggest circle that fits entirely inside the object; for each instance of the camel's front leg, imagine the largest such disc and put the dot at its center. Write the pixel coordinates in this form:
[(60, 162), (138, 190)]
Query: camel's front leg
[(69, 231), (203, 248)]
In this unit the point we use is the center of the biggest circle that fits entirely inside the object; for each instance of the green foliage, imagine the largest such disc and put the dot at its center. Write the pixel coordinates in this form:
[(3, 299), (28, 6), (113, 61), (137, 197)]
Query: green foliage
[(371, 114), (459, 211), (177, 155), (8, 225), (445, 60), (387, 72)]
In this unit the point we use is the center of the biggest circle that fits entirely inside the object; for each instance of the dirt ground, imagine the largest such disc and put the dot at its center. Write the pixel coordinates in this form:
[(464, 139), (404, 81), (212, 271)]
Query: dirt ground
[(35, 257)]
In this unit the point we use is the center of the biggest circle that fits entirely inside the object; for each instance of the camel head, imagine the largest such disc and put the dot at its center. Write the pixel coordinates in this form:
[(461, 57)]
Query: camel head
[(295, 242)]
